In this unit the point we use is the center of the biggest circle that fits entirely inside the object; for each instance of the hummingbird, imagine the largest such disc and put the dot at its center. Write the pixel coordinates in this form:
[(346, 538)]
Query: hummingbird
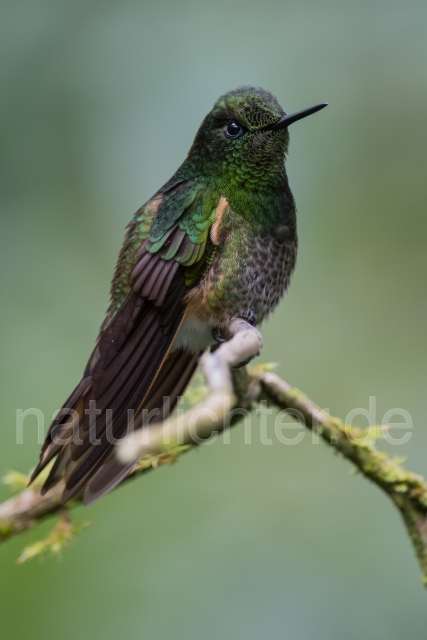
[(217, 241)]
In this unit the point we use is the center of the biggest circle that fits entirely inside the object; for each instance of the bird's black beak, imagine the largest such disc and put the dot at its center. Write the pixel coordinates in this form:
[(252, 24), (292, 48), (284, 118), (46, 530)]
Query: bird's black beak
[(288, 119)]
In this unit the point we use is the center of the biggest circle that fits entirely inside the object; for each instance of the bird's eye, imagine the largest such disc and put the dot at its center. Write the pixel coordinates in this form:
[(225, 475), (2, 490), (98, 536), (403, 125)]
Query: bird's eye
[(233, 129)]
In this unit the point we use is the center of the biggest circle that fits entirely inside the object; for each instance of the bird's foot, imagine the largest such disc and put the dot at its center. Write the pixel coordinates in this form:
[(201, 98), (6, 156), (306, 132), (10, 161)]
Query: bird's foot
[(251, 319), (216, 335)]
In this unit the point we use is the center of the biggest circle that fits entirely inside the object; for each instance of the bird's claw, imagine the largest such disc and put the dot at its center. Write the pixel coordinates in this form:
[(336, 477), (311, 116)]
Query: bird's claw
[(217, 337), (239, 365), (248, 316), (251, 319)]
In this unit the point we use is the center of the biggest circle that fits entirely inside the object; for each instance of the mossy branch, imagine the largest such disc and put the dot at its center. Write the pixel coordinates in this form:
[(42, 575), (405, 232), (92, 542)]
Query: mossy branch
[(243, 389)]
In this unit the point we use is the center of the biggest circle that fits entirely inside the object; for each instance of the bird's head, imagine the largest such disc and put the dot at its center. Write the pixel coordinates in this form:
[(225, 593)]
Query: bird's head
[(244, 138)]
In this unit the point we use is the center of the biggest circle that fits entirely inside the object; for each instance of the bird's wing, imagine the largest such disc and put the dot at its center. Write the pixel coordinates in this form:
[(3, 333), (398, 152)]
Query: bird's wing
[(165, 253)]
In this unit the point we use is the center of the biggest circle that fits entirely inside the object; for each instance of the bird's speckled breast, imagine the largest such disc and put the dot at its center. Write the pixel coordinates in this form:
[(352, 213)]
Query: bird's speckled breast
[(251, 270)]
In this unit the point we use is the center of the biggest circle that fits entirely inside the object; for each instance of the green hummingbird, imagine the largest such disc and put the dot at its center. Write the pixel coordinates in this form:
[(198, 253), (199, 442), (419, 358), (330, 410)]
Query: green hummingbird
[(217, 241)]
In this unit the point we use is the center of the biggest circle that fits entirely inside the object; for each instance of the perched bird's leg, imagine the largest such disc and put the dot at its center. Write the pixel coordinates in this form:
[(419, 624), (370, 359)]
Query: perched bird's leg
[(251, 319)]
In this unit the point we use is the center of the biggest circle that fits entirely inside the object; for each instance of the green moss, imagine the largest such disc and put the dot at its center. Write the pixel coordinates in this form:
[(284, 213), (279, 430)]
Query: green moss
[(5, 530)]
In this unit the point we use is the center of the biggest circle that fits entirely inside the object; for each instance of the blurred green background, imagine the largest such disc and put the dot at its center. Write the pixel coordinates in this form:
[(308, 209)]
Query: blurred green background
[(99, 103)]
